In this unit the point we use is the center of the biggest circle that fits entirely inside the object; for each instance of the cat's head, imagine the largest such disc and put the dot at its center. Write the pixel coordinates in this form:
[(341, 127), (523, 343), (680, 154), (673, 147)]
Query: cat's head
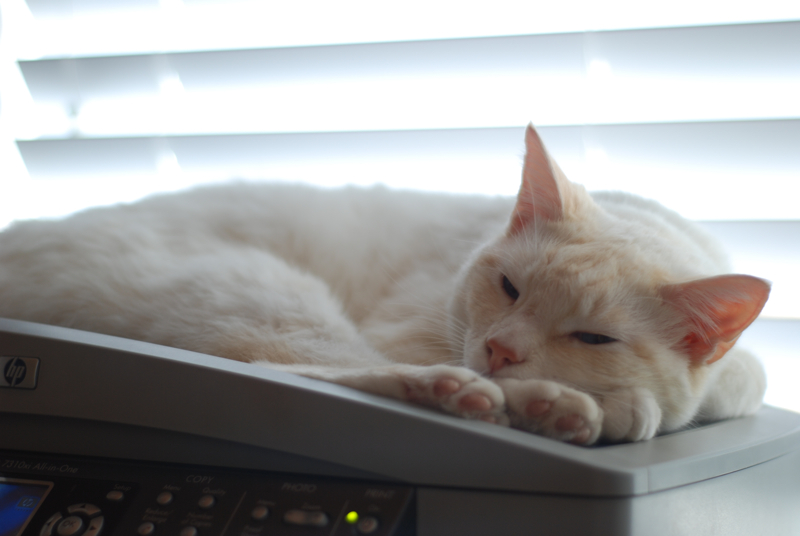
[(567, 294)]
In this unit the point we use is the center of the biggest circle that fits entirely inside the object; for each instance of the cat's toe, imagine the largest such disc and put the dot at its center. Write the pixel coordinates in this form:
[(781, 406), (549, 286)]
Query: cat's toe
[(574, 424), (445, 386), (631, 415), (582, 436), (475, 402), (553, 410), (570, 423), (537, 408), (459, 391), (478, 399), (582, 427)]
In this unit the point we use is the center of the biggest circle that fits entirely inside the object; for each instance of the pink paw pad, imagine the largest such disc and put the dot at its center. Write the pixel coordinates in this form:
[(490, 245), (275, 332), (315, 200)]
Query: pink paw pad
[(570, 422), (475, 402), (577, 424), (445, 387), (581, 437), (537, 408)]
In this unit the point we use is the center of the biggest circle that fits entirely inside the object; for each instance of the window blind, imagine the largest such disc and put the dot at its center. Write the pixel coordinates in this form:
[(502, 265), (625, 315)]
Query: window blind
[(696, 106)]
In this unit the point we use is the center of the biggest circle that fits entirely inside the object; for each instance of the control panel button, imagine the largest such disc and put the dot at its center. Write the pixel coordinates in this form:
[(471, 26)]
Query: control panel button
[(188, 531), (86, 509), (146, 529), (47, 529), (206, 502), (306, 518), (164, 498), (115, 495), (367, 525), (260, 513), (70, 526), (95, 526)]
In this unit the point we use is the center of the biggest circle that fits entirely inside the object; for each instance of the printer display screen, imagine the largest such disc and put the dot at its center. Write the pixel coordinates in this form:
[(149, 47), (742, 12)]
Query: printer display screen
[(19, 500)]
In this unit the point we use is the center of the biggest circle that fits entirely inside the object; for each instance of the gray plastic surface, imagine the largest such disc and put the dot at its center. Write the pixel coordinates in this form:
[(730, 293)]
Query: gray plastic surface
[(80, 437), (761, 500), (104, 379)]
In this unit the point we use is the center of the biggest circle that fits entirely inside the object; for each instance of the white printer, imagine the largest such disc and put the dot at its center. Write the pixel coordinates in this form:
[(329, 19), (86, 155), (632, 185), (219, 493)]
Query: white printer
[(101, 436)]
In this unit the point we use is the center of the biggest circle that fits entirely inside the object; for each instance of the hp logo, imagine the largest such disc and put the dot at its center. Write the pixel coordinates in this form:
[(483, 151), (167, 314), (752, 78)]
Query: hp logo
[(19, 372), (14, 371)]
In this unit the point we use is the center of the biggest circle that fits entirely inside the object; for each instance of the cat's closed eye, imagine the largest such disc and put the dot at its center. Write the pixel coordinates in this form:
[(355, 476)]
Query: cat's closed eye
[(593, 338), (512, 292)]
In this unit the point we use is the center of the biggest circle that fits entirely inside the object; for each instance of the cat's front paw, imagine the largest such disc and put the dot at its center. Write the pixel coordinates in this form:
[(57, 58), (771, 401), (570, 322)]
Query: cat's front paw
[(630, 415), (552, 410), (457, 390)]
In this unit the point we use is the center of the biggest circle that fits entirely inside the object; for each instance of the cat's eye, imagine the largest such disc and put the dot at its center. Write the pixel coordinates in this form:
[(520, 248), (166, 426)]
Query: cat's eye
[(593, 338), (512, 292)]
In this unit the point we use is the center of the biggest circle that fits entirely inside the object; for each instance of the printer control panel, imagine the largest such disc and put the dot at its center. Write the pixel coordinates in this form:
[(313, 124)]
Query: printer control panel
[(43, 495)]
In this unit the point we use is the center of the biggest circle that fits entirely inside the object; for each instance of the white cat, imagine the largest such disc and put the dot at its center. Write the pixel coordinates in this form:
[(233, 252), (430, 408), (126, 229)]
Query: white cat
[(570, 315)]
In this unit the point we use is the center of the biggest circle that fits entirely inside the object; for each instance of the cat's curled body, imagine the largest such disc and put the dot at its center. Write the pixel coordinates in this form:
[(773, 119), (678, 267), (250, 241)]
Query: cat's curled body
[(565, 314)]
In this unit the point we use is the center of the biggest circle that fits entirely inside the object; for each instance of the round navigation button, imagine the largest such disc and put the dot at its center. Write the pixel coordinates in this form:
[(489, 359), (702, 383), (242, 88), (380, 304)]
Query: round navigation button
[(47, 529), (115, 495), (307, 518), (206, 502), (86, 509), (164, 498), (260, 513), (95, 526), (70, 526), (367, 525), (146, 529)]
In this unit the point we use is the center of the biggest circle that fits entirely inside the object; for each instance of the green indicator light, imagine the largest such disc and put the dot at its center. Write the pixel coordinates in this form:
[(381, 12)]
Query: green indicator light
[(351, 517)]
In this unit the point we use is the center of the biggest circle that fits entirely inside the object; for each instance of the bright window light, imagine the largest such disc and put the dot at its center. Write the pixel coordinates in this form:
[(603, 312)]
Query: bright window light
[(694, 105), (254, 23)]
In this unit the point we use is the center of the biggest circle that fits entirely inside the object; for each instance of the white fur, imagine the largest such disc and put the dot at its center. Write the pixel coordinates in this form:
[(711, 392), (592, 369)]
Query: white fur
[(384, 291)]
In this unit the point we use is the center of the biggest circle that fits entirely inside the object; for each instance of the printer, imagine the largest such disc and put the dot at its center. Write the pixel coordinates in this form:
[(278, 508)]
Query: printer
[(102, 436)]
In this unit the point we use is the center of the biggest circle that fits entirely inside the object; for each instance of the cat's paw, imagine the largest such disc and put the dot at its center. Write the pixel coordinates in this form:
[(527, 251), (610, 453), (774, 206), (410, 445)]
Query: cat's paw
[(552, 410), (457, 390), (630, 415)]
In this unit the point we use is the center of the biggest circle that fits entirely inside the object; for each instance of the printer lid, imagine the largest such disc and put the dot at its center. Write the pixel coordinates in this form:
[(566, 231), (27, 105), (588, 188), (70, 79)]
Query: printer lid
[(115, 382)]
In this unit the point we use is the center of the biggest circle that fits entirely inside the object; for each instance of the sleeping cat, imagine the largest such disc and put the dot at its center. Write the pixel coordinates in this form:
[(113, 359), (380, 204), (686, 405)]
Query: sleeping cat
[(566, 314)]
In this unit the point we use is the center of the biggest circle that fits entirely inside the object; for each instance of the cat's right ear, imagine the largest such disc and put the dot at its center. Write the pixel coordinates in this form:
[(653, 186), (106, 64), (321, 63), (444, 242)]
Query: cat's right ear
[(538, 196), (715, 310)]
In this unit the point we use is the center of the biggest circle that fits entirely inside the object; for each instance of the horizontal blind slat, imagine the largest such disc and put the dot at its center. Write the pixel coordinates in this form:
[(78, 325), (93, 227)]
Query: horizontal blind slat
[(719, 170), (669, 75), (88, 27)]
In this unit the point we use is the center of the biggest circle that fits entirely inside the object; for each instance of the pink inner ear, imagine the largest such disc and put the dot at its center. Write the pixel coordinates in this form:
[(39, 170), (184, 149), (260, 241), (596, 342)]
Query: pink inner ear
[(538, 195), (717, 309)]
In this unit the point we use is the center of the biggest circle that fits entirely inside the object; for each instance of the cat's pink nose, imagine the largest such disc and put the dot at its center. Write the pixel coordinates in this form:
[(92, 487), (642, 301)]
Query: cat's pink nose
[(500, 355)]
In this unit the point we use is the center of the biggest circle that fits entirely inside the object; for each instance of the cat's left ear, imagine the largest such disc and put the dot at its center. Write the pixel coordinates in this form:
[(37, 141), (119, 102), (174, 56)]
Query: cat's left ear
[(539, 196), (716, 310)]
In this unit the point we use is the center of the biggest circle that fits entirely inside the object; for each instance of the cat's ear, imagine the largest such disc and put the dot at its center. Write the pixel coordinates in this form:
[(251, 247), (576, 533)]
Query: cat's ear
[(539, 196), (716, 311)]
